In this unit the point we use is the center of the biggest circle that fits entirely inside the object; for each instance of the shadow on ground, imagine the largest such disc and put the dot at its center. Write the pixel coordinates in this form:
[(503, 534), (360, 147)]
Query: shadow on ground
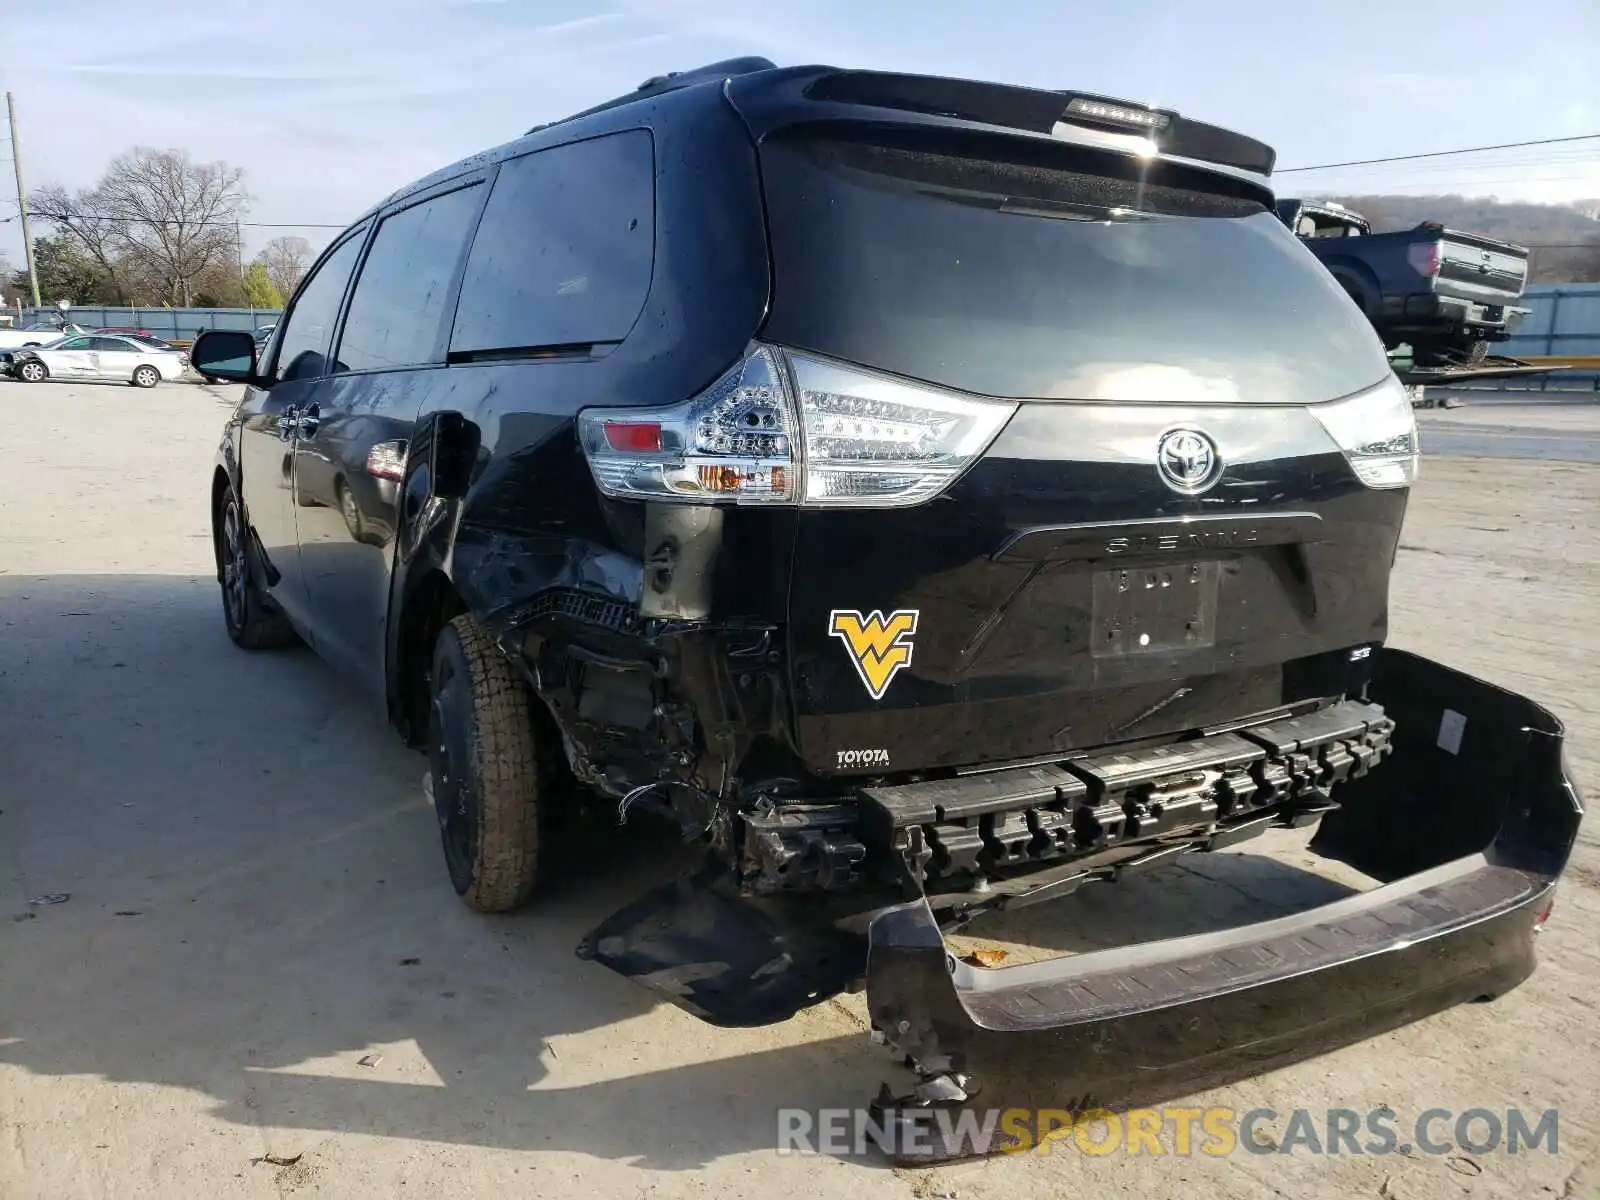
[(257, 898)]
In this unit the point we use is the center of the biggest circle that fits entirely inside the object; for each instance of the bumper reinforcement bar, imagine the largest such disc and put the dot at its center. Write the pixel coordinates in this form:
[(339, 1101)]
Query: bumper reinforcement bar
[(1021, 816)]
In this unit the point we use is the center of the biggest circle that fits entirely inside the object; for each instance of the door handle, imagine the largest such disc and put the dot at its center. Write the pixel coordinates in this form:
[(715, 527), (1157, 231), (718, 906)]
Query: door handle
[(307, 422), (287, 423)]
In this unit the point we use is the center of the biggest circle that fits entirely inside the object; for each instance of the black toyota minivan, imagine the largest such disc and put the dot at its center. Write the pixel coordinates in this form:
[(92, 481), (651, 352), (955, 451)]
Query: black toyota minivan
[(909, 485)]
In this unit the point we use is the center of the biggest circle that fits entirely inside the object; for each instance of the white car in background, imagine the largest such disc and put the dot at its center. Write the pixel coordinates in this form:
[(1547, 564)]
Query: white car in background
[(96, 356)]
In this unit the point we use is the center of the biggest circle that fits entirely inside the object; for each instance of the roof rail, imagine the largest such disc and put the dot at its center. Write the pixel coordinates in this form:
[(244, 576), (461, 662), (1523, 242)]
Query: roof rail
[(673, 80)]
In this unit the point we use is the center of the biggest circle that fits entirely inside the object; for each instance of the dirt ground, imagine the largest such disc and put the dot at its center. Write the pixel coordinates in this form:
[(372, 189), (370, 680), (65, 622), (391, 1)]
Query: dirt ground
[(260, 953)]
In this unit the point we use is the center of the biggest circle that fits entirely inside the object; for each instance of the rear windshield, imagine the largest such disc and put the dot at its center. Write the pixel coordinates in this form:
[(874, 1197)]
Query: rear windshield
[(1056, 278)]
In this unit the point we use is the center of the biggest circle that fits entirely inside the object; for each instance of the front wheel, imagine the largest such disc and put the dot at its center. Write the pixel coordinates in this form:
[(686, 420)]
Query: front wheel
[(33, 371), (491, 767), (146, 377), (251, 625)]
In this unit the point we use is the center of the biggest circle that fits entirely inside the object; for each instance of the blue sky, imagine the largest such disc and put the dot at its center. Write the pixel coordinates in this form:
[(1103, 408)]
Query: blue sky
[(330, 104)]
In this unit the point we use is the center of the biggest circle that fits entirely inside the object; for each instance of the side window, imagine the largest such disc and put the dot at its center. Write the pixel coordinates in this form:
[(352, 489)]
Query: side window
[(77, 343), (108, 343), (303, 344), (565, 248), (396, 311)]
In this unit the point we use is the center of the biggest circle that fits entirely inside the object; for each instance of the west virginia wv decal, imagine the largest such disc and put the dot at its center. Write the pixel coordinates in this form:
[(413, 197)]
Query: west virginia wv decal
[(879, 645)]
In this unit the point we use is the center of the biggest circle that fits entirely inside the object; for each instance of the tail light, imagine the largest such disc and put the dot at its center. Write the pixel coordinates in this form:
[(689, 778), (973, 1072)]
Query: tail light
[(1377, 431), (387, 460), (1424, 257), (786, 428)]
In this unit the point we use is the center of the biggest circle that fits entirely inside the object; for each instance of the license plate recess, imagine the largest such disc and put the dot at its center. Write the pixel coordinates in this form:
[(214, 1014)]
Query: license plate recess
[(1155, 609)]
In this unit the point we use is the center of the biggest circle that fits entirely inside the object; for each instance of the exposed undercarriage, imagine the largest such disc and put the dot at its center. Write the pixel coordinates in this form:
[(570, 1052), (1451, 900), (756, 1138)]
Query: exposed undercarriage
[(1001, 836)]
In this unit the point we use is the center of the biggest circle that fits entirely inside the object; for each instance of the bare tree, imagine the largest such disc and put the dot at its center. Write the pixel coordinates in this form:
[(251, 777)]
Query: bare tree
[(180, 217), (286, 260), (85, 219), (157, 221)]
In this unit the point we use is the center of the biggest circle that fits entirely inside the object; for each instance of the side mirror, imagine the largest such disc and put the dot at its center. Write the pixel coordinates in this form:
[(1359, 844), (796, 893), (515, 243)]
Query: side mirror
[(226, 354)]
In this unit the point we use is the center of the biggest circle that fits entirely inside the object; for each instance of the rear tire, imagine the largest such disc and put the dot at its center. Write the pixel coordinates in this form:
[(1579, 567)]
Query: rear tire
[(33, 371), (146, 377), (491, 769), (251, 624)]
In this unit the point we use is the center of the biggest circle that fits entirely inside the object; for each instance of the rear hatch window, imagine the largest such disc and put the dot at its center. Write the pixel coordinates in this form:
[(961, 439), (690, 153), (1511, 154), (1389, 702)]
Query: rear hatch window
[(1040, 270)]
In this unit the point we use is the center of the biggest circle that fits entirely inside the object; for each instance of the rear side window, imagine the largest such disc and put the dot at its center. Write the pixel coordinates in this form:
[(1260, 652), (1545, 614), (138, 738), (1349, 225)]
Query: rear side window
[(564, 251), (305, 335), (1045, 273), (397, 311)]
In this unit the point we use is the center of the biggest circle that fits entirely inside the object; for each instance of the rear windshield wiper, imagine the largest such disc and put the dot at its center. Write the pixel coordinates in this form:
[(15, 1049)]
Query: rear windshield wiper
[(1034, 206)]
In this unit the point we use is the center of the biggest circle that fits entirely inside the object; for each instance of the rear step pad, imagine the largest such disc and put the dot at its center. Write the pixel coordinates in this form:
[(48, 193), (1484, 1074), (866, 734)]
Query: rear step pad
[(1020, 815)]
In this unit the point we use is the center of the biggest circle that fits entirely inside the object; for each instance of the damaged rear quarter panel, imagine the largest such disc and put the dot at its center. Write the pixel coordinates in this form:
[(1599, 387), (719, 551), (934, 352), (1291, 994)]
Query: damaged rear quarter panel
[(525, 542)]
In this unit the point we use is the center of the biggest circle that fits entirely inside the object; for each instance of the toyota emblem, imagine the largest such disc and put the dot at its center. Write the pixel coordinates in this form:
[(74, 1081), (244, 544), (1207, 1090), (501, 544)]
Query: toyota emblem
[(1188, 461)]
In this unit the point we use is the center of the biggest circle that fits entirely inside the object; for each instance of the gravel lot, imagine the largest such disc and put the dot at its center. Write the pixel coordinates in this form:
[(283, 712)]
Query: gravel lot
[(257, 900)]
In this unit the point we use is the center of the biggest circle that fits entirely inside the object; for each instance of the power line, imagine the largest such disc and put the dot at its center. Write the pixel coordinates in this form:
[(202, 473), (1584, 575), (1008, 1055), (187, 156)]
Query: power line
[(1367, 162)]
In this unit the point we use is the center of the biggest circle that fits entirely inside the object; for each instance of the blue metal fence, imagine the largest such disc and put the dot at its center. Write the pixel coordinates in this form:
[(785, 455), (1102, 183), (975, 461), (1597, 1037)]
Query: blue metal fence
[(1563, 322), (168, 324)]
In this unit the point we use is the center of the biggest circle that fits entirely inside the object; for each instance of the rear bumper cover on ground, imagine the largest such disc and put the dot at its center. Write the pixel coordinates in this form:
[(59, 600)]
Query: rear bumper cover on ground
[(1470, 823)]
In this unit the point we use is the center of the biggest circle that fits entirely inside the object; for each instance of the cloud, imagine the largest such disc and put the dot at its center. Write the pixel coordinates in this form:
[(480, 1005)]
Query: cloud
[(744, 28)]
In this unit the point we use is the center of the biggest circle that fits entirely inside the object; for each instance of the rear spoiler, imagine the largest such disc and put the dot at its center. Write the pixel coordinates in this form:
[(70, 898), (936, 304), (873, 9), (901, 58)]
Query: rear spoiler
[(770, 97), (1042, 112)]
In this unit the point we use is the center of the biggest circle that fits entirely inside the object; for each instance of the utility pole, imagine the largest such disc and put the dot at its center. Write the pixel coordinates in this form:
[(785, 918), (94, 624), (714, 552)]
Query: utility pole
[(22, 200)]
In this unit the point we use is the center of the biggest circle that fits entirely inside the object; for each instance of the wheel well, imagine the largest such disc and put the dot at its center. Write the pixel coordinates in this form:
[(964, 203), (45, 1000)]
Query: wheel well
[(1357, 288), (432, 605), (1358, 281)]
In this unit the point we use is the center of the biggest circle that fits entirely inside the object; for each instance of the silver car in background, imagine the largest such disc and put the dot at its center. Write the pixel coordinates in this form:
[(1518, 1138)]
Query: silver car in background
[(96, 356)]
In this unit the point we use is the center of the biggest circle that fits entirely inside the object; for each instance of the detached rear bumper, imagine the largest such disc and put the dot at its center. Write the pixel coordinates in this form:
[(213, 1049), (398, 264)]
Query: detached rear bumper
[(1470, 823)]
